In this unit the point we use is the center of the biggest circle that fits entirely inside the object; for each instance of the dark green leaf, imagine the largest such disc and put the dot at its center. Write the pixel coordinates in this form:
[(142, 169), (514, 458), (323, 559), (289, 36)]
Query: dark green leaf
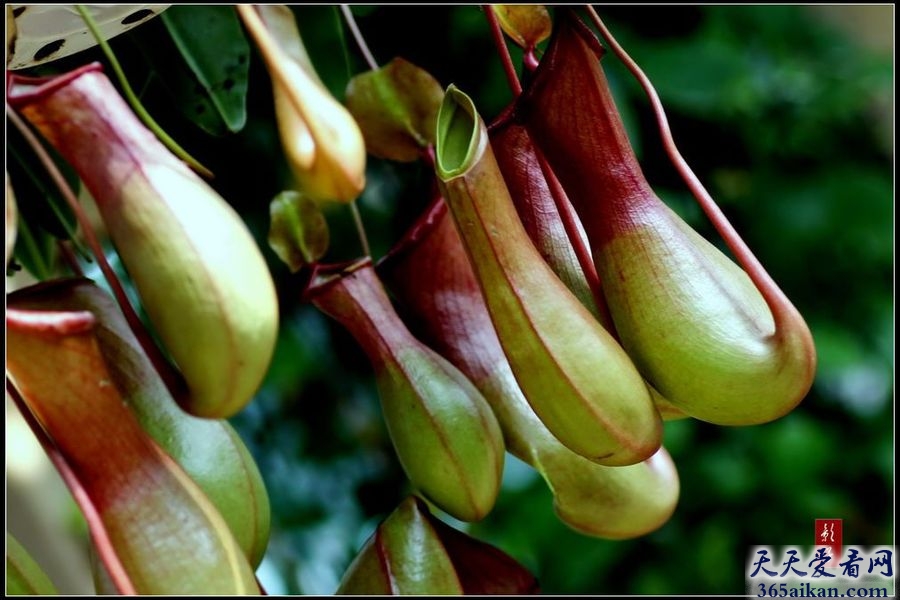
[(213, 45), (168, 67)]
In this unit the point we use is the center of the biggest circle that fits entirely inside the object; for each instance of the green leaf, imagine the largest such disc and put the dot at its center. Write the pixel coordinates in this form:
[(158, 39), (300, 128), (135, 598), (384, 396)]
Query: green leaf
[(396, 108), (213, 45), (166, 66), (24, 576), (299, 232)]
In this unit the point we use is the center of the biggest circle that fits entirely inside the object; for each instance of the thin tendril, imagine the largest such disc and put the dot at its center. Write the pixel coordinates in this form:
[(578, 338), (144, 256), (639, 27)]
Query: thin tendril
[(342, 37), (373, 65), (169, 376), (774, 297), (101, 539), (360, 228), (357, 35), (505, 57), (133, 99)]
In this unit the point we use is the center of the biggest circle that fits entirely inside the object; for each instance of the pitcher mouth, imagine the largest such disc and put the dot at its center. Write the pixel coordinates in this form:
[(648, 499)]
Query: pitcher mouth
[(22, 90), (325, 275), (417, 232)]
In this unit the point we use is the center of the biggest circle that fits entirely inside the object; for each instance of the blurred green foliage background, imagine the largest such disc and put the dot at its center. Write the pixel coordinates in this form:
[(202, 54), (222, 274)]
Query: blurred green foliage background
[(788, 121)]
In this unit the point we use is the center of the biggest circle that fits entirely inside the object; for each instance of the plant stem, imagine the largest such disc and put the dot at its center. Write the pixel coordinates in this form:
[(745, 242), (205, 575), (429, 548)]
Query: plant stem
[(505, 57), (95, 524), (165, 370), (133, 99), (774, 297)]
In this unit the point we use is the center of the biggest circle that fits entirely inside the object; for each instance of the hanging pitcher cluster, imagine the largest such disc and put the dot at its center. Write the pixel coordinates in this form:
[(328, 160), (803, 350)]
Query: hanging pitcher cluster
[(720, 342), (145, 447), (545, 303), (548, 303)]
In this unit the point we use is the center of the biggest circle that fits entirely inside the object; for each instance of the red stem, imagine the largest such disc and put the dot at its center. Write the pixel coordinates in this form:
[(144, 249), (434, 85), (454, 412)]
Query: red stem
[(771, 293), (499, 41), (95, 523), (171, 378)]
